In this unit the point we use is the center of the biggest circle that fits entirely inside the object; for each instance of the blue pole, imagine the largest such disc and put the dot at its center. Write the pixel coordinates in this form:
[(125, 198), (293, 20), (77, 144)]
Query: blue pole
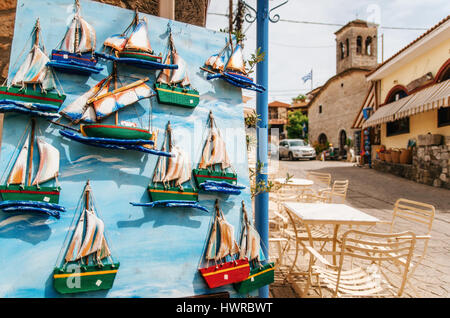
[(262, 199)]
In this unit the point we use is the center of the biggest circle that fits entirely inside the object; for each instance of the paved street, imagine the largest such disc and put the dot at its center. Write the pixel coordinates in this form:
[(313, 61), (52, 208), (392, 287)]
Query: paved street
[(375, 193)]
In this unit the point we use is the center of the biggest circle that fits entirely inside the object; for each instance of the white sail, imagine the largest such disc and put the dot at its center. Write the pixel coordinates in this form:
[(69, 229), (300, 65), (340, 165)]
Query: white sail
[(219, 152), (48, 164), (179, 74), (205, 154), (79, 110), (236, 61), (212, 243), (174, 165), (89, 233), (68, 42), (228, 245), (116, 42), (160, 171), (75, 243), (88, 37), (138, 39), (99, 231), (34, 69), (18, 172), (108, 103), (219, 63), (186, 170), (186, 81)]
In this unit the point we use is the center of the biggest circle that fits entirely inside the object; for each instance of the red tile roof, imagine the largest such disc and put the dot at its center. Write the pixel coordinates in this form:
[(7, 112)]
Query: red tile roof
[(279, 104)]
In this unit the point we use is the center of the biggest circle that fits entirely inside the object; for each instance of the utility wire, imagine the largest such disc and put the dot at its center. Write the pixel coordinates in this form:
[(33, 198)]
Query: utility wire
[(332, 24)]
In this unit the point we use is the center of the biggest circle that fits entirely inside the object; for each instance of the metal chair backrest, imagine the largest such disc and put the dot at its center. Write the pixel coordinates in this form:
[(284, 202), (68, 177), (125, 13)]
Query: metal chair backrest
[(414, 212), (322, 178), (376, 248)]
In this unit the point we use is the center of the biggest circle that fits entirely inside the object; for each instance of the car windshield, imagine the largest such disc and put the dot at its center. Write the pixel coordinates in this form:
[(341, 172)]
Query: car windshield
[(296, 143)]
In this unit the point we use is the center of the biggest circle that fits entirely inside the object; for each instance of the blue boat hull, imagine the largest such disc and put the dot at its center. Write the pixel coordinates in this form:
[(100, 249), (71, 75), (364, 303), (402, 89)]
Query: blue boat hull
[(152, 65), (74, 63), (51, 209), (238, 81), (172, 204), (122, 144)]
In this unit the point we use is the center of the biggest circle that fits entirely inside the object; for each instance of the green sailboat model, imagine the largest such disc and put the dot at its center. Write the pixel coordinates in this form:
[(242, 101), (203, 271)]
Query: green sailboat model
[(214, 172), (172, 185), (85, 265), (250, 248), (173, 86), (30, 90)]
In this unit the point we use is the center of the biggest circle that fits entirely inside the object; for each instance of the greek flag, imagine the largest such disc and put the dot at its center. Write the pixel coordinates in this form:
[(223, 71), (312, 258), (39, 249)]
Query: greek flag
[(307, 77)]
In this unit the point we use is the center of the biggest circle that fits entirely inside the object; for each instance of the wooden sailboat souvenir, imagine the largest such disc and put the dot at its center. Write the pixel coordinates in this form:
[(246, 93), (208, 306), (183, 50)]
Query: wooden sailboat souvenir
[(21, 193), (85, 263), (232, 71), (223, 249), (133, 47), (213, 172), (173, 86), (172, 185), (76, 50), (250, 248), (100, 102), (29, 91)]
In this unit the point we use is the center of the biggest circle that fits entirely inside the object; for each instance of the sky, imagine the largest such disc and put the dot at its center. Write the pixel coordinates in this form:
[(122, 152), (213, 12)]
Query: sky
[(297, 48)]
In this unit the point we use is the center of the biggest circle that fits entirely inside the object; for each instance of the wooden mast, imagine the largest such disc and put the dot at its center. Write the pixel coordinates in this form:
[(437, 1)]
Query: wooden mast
[(30, 152), (115, 88)]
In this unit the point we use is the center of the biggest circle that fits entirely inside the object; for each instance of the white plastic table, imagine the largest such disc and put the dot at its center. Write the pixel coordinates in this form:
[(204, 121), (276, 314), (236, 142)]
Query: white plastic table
[(326, 214)]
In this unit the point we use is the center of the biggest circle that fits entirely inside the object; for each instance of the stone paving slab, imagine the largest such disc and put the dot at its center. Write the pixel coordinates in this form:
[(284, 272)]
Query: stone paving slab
[(375, 193)]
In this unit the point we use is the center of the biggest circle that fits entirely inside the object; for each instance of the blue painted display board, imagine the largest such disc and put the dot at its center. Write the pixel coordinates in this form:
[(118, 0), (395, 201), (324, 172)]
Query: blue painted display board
[(159, 249)]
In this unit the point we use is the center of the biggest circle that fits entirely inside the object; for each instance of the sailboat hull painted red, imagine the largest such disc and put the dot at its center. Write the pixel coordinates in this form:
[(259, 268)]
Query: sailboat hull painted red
[(226, 273)]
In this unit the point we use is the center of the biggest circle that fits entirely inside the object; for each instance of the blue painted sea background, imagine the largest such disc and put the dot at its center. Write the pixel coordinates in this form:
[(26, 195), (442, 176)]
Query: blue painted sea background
[(159, 249)]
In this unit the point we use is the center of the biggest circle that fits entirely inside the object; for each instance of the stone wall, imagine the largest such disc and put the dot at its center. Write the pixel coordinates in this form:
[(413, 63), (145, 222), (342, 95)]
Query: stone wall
[(430, 165), (189, 11), (341, 99)]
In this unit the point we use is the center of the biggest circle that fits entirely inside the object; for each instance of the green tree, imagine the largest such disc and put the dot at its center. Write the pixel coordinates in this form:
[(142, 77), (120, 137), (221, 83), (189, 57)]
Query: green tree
[(295, 124)]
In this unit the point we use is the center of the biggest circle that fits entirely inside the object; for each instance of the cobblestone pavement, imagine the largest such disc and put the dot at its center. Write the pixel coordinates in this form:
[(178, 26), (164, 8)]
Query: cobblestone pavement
[(375, 193)]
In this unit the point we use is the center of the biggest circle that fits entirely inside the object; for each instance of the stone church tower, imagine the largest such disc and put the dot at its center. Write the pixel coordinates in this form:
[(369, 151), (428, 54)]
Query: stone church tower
[(356, 46)]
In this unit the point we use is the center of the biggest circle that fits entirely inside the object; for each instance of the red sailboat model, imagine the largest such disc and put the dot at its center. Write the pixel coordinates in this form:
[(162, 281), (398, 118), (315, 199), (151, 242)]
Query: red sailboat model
[(223, 249)]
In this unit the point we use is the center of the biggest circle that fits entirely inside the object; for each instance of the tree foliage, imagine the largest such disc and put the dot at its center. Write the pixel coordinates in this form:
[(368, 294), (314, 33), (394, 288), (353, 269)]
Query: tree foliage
[(295, 124)]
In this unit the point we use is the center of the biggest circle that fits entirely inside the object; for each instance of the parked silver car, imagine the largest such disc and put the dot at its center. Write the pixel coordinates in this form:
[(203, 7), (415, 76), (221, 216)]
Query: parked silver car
[(296, 149)]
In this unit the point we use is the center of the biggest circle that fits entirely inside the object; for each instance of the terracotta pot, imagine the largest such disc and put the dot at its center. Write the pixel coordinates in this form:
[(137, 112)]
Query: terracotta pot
[(387, 157), (381, 154), (395, 155), (405, 156)]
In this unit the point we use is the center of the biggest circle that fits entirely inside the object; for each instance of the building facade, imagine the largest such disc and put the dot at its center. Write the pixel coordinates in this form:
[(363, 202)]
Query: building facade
[(411, 106), (278, 117), (334, 106)]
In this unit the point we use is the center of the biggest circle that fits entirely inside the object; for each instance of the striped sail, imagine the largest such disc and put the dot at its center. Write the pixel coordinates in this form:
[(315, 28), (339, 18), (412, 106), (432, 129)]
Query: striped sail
[(138, 39), (228, 245), (219, 63), (34, 69), (236, 61), (79, 110), (18, 172), (108, 103), (68, 42), (116, 42), (178, 74), (174, 165), (48, 164), (218, 153), (185, 173), (88, 37)]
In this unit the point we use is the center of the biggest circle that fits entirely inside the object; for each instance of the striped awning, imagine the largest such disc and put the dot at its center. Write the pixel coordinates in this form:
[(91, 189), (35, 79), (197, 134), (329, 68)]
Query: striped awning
[(432, 97), (387, 112)]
